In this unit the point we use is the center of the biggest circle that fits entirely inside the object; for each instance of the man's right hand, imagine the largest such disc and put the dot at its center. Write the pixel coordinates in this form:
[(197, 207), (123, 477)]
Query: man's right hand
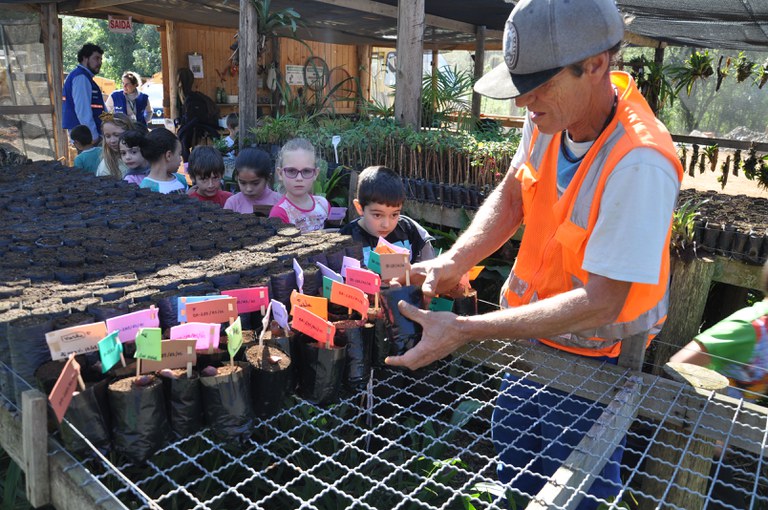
[(436, 276)]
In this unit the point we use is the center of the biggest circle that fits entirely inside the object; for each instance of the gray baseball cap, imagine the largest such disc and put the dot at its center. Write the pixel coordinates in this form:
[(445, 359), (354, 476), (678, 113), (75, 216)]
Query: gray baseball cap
[(541, 37)]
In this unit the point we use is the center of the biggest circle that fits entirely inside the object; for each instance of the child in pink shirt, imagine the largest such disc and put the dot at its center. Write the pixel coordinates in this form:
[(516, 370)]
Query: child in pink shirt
[(130, 154), (253, 173), (297, 170)]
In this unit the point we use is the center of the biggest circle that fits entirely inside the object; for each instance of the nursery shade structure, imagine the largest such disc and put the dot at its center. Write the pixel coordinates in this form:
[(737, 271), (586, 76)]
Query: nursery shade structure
[(424, 441)]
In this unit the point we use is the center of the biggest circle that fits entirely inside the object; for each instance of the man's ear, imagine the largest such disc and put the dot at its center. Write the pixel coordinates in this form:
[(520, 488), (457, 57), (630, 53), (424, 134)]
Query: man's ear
[(598, 64), (358, 207)]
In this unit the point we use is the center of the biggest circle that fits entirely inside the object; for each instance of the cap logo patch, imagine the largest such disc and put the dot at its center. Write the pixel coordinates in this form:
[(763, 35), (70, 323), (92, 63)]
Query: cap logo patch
[(511, 47)]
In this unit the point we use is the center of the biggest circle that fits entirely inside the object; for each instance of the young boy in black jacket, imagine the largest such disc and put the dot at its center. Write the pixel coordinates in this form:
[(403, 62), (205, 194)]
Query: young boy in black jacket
[(380, 197)]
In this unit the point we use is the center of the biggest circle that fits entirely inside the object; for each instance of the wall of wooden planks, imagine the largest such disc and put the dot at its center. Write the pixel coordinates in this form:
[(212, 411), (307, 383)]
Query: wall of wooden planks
[(214, 45)]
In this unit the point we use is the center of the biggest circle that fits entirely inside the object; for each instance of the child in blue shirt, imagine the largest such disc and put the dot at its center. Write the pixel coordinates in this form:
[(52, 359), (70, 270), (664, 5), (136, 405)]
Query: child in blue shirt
[(89, 155)]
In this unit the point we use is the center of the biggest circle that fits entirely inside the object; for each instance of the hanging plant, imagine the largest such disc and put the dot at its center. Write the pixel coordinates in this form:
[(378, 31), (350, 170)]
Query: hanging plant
[(761, 74), (743, 67), (762, 178), (722, 71), (750, 164), (711, 152), (723, 178), (703, 161), (694, 159), (697, 67), (683, 151), (736, 162)]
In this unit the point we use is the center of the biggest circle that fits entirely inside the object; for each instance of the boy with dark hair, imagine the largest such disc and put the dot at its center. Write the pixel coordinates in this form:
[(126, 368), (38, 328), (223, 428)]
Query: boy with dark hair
[(89, 154), (233, 122), (206, 167), (380, 198)]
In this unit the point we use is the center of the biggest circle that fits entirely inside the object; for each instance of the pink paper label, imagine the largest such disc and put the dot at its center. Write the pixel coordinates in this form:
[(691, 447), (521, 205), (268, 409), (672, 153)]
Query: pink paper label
[(128, 325), (251, 299), (207, 335), (365, 280)]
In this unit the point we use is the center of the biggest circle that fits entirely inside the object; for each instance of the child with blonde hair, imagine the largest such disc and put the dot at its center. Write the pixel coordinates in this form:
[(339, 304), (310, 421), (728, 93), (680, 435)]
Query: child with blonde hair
[(297, 170), (112, 127)]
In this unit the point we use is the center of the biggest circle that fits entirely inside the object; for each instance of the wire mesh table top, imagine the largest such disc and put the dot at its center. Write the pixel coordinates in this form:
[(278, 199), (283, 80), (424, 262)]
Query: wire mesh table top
[(423, 440)]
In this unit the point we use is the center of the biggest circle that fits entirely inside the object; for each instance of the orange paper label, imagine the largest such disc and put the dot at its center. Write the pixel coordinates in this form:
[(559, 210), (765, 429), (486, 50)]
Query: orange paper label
[(350, 297), (474, 272), (61, 395), (316, 305), (215, 310), (313, 326)]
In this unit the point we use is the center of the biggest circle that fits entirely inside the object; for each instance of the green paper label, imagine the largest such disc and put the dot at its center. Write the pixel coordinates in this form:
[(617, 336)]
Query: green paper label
[(234, 338), (441, 305), (374, 262), (148, 344), (327, 286), (110, 349)]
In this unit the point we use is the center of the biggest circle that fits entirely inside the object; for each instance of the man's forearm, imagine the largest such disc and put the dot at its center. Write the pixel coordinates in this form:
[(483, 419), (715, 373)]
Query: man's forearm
[(580, 309), (495, 222)]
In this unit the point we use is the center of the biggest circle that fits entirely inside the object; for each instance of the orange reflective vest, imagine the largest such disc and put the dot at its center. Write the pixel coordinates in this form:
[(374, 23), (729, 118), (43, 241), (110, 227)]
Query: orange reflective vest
[(556, 230)]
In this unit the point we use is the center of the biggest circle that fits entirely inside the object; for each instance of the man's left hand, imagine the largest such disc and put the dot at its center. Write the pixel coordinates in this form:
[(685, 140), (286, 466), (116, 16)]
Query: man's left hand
[(440, 337)]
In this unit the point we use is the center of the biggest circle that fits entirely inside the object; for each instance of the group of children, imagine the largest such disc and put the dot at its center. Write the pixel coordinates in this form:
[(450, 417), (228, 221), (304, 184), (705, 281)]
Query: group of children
[(151, 159)]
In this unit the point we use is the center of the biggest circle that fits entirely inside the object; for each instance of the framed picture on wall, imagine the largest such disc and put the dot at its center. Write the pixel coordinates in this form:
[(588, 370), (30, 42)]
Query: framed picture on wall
[(196, 65)]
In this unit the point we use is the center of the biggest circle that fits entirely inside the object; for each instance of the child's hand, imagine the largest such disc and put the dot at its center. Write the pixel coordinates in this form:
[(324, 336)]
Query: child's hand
[(191, 189)]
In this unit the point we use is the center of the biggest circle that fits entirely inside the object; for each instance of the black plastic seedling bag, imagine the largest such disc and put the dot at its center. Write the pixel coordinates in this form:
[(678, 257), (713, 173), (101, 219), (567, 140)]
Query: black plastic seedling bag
[(139, 421), (227, 403), (466, 304), (380, 343), (321, 371), (271, 377), (185, 402), (357, 366), (402, 332), (88, 412)]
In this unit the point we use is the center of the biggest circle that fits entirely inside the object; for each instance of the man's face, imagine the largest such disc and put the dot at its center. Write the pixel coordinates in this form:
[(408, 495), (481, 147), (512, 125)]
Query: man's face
[(557, 104), (93, 63)]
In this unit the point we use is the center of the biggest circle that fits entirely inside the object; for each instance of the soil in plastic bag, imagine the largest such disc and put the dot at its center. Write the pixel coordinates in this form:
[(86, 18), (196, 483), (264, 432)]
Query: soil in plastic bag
[(288, 345), (465, 303), (402, 332), (28, 348), (184, 400), (321, 371), (227, 401), (139, 421), (88, 413), (271, 375), (282, 285), (358, 342)]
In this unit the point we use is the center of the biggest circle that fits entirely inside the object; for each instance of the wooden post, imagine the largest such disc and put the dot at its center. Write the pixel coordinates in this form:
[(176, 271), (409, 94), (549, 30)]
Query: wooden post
[(34, 438), (678, 462), (658, 59), (688, 292), (351, 210), (173, 68), (364, 70), (435, 56), (410, 50), (479, 66), (49, 21), (248, 74)]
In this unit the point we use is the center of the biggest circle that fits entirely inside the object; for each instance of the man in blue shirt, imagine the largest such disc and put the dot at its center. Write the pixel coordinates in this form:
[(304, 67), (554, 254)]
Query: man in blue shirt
[(83, 101)]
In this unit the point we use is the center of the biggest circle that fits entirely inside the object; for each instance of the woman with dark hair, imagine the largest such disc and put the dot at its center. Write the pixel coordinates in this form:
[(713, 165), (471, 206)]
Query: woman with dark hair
[(130, 101), (199, 114)]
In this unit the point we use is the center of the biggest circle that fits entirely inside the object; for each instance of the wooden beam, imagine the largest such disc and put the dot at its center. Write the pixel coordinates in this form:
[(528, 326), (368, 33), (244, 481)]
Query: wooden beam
[(173, 68), (479, 66), (54, 68), (734, 272), (37, 109), (34, 409), (363, 54), (87, 5), (391, 11), (567, 486), (248, 74), (410, 48), (641, 40)]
